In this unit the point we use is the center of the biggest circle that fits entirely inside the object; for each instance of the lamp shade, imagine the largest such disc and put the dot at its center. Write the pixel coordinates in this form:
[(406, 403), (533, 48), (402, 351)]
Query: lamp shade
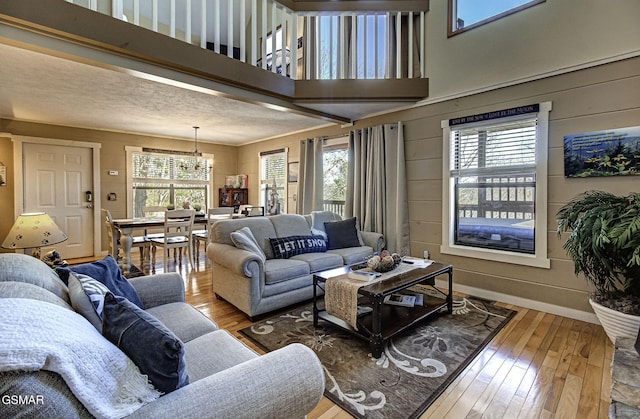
[(33, 230)]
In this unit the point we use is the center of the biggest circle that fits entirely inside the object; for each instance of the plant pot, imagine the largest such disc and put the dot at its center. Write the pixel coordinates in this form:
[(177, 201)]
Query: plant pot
[(616, 323)]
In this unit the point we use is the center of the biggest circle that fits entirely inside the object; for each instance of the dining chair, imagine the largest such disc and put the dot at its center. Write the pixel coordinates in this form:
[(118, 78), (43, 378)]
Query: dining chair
[(114, 239), (204, 235), (176, 234), (153, 211)]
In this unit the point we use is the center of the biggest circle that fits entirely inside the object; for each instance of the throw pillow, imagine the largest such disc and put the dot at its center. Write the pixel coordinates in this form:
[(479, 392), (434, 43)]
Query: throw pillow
[(107, 272), (156, 351), (285, 247), (318, 218), (342, 234), (245, 240), (87, 298), (321, 233)]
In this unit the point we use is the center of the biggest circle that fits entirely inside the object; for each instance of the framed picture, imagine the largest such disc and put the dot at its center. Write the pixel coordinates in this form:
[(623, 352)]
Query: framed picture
[(612, 152), (292, 173)]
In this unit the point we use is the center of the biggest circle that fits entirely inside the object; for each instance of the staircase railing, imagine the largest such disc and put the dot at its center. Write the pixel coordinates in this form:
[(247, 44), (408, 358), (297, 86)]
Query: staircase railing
[(300, 45)]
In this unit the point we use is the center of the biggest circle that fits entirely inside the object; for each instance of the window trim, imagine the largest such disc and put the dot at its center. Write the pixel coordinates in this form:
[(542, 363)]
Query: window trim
[(452, 14), (333, 144), (130, 150), (539, 259), (284, 200)]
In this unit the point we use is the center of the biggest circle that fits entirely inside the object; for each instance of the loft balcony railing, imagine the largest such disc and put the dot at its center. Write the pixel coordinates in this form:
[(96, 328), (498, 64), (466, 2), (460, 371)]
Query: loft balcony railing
[(300, 45)]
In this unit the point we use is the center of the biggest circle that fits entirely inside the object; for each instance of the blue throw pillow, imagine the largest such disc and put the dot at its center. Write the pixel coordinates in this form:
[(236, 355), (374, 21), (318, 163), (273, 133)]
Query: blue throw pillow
[(285, 247), (342, 234), (156, 350), (107, 272)]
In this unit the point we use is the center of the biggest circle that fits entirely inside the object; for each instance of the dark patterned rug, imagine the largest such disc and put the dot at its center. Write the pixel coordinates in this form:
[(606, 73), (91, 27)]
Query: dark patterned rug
[(415, 368)]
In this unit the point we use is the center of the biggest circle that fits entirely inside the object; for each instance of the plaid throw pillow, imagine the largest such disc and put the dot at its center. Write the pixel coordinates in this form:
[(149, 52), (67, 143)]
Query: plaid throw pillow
[(285, 247)]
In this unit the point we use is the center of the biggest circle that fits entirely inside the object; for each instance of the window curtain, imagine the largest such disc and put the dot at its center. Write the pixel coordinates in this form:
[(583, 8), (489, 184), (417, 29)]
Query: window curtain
[(310, 176), (377, 184)]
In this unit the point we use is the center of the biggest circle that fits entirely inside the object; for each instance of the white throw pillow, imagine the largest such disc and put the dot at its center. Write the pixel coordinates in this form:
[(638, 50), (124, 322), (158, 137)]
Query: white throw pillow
[(245, 240), (87, 298)]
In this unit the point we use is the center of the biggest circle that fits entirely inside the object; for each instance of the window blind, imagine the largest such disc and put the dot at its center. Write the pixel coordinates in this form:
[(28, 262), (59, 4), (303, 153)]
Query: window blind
[(508, 147), (164, 167)]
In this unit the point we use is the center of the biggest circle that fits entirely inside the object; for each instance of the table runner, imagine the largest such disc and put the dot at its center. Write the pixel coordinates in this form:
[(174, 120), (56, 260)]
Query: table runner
[(341, 293)]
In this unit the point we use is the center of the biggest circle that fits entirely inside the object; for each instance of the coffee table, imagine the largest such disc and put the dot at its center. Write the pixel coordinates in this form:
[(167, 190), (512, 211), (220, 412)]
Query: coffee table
[(377, 321)]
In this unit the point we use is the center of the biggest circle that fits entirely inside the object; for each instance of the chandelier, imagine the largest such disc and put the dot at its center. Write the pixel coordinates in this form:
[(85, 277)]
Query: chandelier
[(195, 165)]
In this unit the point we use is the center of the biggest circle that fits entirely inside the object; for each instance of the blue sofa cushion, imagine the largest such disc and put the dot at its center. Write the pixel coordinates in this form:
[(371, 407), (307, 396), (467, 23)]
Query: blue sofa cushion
[(107, 272), (285, 247), (156, 351), (280, 270)]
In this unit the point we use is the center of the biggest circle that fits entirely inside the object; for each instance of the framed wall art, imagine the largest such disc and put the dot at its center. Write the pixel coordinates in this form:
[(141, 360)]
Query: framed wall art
[(614, 152)]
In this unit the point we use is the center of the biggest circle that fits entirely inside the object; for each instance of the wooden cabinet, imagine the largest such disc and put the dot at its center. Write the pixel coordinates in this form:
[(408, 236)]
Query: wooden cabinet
[(233, 197)]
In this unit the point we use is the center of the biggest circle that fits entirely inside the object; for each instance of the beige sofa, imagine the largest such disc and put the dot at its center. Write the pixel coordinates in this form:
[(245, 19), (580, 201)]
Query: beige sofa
[(257, 281)]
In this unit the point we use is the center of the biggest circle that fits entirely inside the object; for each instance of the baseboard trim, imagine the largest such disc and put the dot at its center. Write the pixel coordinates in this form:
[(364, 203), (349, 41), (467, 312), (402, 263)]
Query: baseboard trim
[(571, 313)]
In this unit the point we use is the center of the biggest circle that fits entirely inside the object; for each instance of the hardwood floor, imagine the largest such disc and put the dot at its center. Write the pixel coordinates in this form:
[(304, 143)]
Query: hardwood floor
[(539, 366)]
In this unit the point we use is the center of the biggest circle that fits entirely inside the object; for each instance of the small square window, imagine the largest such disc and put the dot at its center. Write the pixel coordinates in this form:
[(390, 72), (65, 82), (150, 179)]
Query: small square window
[(468, 14)]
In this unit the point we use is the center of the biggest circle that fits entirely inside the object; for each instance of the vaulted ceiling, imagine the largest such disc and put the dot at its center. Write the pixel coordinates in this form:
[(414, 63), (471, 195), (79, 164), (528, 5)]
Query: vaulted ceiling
[(102, 75)]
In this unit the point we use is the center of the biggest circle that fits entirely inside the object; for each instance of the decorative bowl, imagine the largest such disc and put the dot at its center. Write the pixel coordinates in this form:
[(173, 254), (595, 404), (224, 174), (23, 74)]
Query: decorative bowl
[(385, 262)]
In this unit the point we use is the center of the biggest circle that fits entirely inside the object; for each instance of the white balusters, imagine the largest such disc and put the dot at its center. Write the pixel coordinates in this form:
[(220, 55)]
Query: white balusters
[(359, 44)]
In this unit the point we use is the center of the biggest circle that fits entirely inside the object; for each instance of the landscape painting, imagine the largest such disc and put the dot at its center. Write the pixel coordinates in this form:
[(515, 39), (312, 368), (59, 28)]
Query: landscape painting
[(612, 152)]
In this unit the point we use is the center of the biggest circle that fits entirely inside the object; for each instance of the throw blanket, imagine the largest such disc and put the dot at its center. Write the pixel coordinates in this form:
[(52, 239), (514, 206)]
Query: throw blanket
[(341, 294), (37, 335)]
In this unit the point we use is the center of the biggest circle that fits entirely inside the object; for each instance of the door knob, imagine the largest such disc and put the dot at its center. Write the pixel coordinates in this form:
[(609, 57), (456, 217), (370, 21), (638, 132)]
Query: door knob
[(89, 205)]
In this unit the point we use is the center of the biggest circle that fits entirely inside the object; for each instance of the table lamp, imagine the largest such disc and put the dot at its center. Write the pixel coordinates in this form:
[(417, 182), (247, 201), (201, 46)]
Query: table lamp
[(33, 230)]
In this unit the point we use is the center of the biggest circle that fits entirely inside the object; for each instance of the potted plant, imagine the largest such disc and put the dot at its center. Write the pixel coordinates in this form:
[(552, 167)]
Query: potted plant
[(605, 247)]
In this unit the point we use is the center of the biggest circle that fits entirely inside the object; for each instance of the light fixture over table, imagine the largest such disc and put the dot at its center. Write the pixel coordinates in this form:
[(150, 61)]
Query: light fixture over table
[(197, 166), (32, 231)]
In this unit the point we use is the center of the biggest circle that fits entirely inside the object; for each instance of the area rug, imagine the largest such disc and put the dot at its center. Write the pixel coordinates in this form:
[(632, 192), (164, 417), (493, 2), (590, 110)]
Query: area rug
[(415, 368)]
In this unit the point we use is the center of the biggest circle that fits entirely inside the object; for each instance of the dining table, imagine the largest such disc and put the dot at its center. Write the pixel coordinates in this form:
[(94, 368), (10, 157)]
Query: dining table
[(125, 227)]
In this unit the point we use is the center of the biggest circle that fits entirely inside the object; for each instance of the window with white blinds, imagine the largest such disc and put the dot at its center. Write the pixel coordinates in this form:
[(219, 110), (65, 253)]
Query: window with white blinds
[(163, 178), (493, 171), (273, 175), (492, 174)]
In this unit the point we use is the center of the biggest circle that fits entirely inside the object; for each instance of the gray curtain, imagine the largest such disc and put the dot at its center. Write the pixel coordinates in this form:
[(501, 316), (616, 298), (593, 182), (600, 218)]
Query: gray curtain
[(310, 176), (377, 184)]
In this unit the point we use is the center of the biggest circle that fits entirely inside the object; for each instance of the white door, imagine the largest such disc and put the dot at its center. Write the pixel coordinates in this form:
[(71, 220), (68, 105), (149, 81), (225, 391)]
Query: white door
[(56, 181)]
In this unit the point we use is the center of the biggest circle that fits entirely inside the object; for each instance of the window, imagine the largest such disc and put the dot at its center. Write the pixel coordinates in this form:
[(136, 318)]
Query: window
[(495, 185), (273, 180), (334, 165), (469, 14), (163, 178)]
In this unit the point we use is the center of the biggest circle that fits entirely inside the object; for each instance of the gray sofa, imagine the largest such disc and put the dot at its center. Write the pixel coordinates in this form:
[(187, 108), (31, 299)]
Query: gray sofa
[(258, 284), (226, 378)]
